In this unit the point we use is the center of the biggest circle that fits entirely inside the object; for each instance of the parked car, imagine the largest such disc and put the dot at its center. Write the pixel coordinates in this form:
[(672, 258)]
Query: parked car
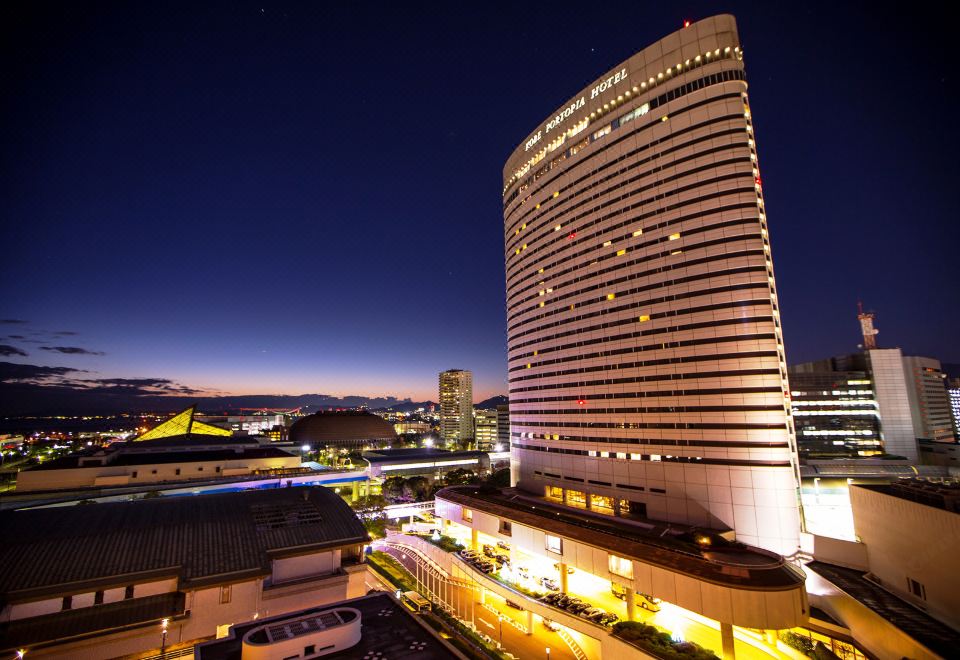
[(523, 572), (557, 567), (487, 566), (549, 584), (510, 603), (609, 619), (648, 602), (551, 625), (468, 554), (489, 551), (503, 545), (576, 606)]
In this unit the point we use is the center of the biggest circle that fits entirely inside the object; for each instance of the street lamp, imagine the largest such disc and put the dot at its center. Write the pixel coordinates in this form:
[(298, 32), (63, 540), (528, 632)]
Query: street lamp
[(500, 617), (163, 639), (548, 653)]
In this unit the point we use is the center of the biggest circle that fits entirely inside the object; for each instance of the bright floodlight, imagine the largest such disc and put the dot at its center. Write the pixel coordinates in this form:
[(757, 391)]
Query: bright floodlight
[(498, 448), (305, 448), (428, 442)]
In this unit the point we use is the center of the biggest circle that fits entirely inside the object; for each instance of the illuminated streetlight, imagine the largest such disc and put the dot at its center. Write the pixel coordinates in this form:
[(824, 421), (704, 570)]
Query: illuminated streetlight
[(548, 653), (163, 639)]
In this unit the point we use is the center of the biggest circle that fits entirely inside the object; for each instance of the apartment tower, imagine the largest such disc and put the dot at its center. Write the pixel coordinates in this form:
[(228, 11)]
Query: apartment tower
[(456, 406), (646, 362)]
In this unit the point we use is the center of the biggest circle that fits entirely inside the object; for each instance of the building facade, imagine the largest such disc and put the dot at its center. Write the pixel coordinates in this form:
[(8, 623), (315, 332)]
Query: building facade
[(646, 362), (929, 399), (485, 429), (456, 406)]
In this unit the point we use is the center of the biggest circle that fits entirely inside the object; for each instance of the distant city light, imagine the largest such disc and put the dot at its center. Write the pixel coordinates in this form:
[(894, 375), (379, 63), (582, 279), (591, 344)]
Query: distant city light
[(305, 448)]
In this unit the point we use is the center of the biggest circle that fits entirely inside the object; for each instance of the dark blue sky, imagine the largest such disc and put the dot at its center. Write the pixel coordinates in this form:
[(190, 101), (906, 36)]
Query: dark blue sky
[(286, 198)]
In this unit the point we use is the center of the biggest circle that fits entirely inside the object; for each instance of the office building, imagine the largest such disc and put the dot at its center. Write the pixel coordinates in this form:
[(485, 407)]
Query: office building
[(456, 406), (953, 392), (929, 399), (834, 410), (122, 578), (645, 355), (485, 429)]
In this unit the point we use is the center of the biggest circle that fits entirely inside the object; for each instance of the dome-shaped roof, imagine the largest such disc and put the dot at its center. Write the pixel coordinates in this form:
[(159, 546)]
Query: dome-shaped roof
[(334, 428)]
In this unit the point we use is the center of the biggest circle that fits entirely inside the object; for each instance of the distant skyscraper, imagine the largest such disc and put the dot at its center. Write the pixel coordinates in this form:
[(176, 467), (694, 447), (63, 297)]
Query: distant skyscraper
[(929, 400), (456, 405), (953, 391), (646, 361), (485, 429), (503, 426)]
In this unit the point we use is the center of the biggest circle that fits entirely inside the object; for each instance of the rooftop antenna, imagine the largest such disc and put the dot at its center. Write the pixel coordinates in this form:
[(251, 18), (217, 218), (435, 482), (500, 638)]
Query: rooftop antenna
[(866, 327)]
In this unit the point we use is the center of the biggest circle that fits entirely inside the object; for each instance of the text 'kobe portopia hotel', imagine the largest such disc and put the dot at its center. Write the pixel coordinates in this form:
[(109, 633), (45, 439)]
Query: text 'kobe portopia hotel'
[(646, 362)]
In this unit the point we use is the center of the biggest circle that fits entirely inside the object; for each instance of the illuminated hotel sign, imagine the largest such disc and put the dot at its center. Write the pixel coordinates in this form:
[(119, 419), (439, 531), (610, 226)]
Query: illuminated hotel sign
[(564, 114)]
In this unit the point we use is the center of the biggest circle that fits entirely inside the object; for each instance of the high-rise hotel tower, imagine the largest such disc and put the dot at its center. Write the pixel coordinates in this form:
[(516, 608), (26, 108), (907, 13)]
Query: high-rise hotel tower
[(456, 406), (646, 362)]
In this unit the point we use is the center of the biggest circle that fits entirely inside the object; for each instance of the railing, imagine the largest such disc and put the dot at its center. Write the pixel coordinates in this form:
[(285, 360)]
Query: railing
[(570, 642), (171, 655)]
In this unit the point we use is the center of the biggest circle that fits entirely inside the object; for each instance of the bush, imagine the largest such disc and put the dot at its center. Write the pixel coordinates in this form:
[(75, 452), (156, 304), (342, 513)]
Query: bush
[(795, 641), (659, 643), (445, 543)]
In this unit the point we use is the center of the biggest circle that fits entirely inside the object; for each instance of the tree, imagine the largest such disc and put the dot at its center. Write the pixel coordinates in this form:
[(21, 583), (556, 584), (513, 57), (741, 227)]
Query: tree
[(459, 477), (392, 488), (417, 488), (499, 479)]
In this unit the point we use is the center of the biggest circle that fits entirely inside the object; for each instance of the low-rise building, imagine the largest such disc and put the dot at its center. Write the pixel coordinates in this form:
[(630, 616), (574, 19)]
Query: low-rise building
[(112, 579), (166, 460), (424, 462)]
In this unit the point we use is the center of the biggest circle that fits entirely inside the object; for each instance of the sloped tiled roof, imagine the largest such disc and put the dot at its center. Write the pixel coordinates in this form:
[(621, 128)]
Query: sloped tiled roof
[(197, 538)]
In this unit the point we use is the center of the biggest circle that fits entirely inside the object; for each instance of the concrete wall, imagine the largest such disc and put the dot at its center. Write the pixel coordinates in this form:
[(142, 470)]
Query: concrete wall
[(85, 599), (907, 540), (293, 568)]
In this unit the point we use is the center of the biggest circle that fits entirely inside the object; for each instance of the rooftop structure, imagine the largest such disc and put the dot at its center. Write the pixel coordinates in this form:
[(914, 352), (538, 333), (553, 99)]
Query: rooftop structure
[(183, 423), (346, 429), (373, 626)]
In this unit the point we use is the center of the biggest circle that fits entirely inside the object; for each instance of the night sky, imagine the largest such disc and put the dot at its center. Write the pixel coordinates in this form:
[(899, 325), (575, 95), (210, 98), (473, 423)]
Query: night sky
[(288, 198)]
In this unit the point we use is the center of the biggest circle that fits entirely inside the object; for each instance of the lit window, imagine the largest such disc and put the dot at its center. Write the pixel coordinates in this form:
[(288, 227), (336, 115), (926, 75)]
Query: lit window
[(554, 544), (611, 296), (601, 504), (556, 194), (654, 457), (606, 244), (466, 515), (554, 493), (621, 455), (644, 318), (674, 237), (557, 228), (638, 232), (225, 593), (620, 253), (576, 498), (620, 566)]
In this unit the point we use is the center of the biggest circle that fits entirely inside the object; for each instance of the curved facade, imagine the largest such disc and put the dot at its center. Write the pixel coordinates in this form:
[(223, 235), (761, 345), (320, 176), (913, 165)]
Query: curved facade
[(342, 429), (646, 361)]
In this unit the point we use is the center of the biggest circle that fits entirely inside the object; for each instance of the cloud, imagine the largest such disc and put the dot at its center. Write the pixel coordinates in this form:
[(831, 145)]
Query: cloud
[(10, 372), (71, 350), (6, 351), (11, 321), (138, 386), (15, 337), (66, 333)]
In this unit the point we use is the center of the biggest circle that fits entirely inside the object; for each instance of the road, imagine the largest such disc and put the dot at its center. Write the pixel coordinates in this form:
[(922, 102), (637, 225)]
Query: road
[(525, 647)]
